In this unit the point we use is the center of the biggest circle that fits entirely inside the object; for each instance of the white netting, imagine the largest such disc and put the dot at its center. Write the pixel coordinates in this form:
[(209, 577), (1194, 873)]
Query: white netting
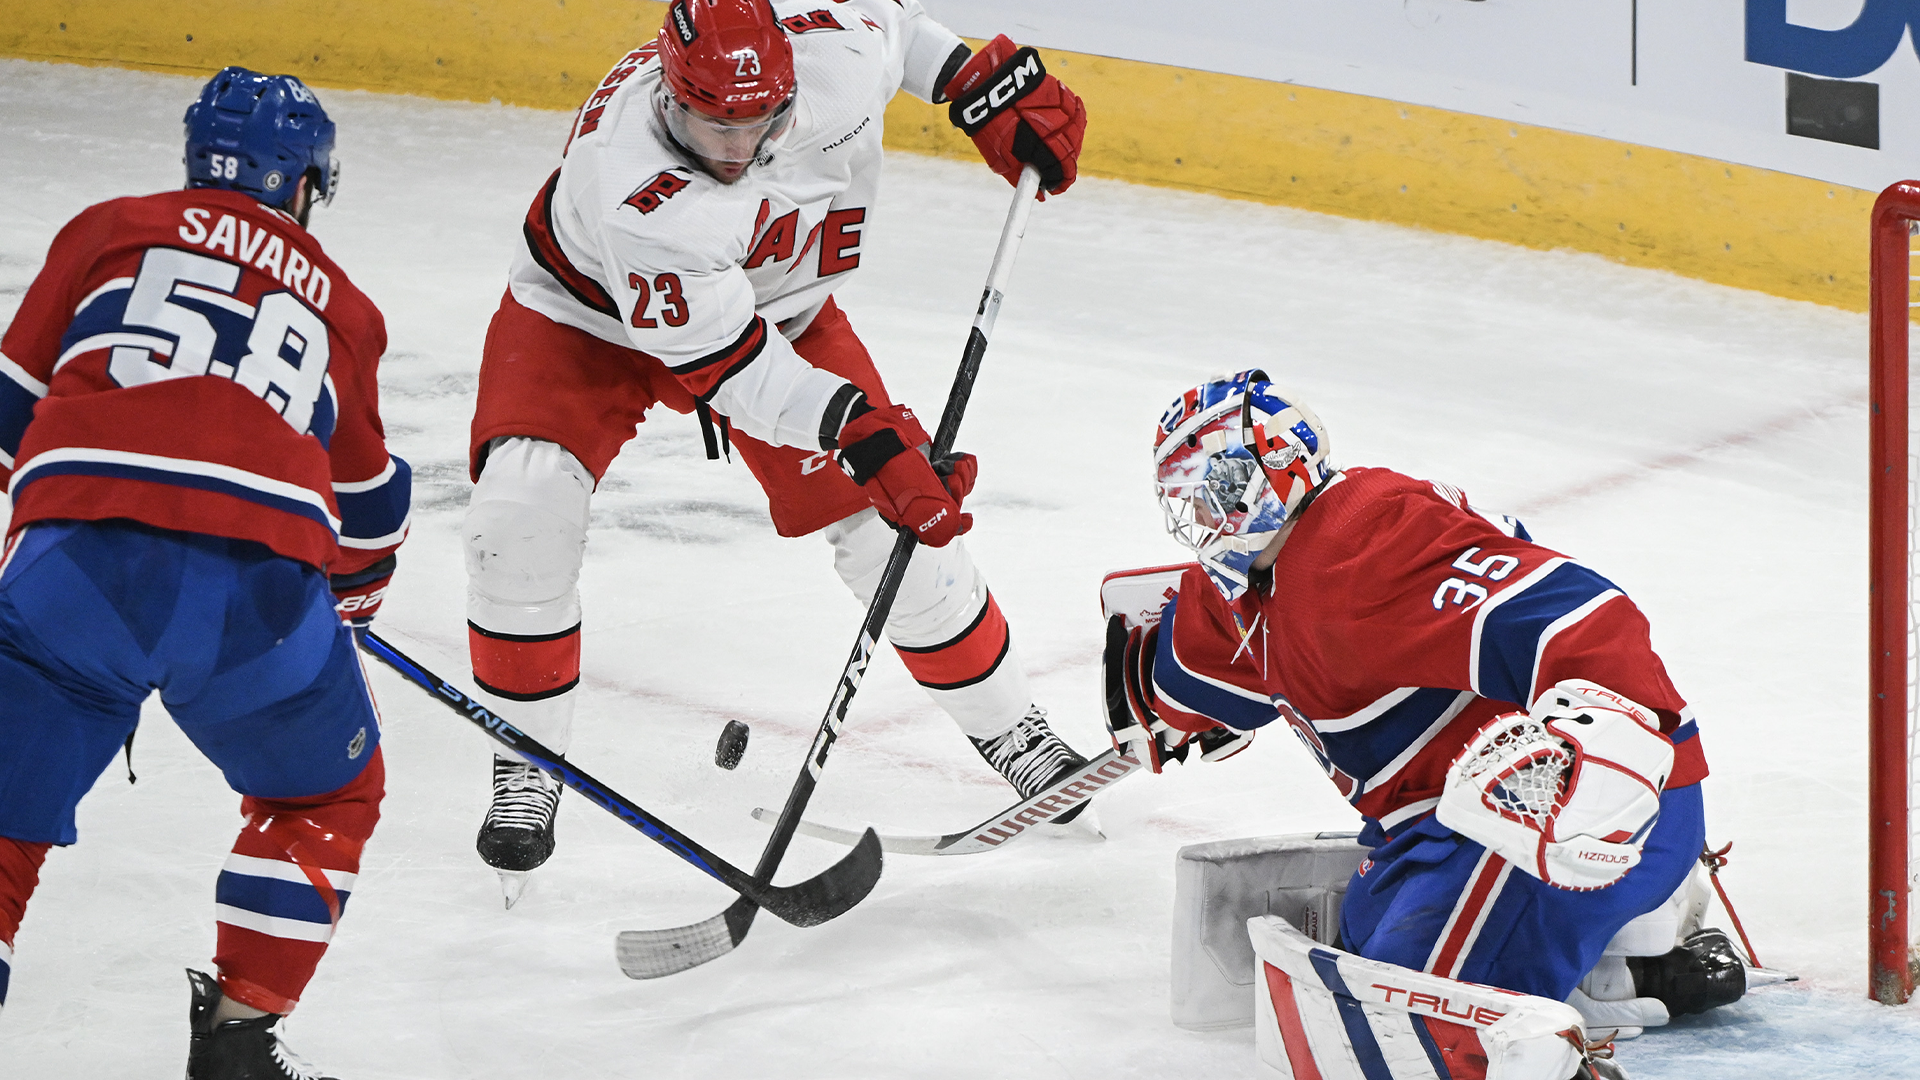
[(1522, 768)]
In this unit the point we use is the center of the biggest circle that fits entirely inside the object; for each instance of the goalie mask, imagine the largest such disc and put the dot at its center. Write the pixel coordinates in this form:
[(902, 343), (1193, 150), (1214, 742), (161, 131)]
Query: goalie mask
[(1235, 459)]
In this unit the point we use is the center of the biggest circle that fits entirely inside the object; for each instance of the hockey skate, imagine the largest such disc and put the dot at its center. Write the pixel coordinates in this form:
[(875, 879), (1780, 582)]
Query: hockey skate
[(1032, 757), (517, 834), (236, 1049)]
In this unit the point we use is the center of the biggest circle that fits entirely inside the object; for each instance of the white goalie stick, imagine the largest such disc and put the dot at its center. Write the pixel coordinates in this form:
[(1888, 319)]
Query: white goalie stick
[(1062, 795), (651, 954)]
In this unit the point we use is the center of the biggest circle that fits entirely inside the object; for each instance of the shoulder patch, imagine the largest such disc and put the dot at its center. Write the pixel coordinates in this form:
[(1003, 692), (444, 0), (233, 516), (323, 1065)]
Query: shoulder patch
[(648, 197), (818, 19)]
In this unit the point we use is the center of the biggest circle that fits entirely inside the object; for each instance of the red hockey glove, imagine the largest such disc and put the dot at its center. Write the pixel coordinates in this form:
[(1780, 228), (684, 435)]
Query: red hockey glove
[(958, 472), (357, 596), (880, 450), (1017, 114)]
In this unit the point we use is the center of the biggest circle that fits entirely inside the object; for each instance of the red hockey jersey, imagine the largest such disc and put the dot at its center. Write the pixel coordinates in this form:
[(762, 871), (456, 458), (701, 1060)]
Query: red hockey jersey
[(193, 360), (1398, 621)]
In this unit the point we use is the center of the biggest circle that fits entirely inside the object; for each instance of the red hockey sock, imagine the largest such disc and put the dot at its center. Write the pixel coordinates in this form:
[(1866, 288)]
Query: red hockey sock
[(965, 659), (19, 875), (286, 884), (525, 667)]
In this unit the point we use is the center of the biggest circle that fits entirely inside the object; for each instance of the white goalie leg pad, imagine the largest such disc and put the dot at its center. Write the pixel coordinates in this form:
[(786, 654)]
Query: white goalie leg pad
[(1607, 997), (1610, 1005), (939, 598), (1667, 927), (1334, 1015), (1566, 793), (525, 536), (1218, 886)]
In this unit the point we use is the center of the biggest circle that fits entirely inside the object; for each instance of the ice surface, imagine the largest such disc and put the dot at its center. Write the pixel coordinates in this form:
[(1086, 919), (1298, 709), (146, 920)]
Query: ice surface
[(1703, 447)]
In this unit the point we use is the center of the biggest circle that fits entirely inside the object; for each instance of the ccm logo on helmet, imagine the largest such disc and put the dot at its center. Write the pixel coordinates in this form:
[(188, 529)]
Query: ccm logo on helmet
[(1009, 87)]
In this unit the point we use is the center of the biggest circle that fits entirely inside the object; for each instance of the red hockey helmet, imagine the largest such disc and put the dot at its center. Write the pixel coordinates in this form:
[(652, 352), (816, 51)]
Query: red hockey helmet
[(726, 58)]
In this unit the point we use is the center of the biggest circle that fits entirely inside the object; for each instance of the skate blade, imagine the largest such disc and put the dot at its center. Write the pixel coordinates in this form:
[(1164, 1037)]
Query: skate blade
[(1084, 827), (1760, 976), (513, 884)]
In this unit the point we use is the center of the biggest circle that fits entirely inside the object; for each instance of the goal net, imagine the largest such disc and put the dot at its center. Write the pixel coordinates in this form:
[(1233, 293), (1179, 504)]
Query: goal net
[(1893, 633)]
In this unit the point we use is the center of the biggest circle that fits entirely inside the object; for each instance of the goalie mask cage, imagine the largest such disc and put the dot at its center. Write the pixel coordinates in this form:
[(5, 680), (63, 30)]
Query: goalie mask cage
[(1893, 681)]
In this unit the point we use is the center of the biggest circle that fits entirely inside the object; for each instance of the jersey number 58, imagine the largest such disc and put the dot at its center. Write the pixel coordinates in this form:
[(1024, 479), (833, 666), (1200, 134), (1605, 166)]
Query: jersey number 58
[(277, 349)]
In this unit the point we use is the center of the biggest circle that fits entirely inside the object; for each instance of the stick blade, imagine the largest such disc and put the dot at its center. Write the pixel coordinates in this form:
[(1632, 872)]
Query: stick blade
[(832, 892), (895, 845), (655, 954)]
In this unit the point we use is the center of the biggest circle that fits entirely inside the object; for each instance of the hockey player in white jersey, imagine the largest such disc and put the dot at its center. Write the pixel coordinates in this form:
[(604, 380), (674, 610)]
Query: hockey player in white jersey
[(711, 198)]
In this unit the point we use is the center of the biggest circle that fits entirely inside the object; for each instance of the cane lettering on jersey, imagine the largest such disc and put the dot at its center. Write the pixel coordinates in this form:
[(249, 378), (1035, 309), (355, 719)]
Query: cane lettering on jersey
[(595, 106)]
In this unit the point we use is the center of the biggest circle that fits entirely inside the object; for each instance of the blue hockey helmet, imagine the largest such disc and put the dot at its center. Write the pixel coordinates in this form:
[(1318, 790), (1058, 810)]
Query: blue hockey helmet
[(1235, 459), (259, 134)]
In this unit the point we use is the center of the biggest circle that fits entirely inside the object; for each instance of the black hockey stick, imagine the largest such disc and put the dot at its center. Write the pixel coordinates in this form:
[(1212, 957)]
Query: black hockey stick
[(1057, 798), (650, 954), (809, 903)]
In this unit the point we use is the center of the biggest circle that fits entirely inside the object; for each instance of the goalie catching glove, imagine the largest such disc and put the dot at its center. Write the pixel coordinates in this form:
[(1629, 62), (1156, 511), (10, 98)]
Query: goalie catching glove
[(1567, 792), (1132, 717), (1017, 114), (883, 450)]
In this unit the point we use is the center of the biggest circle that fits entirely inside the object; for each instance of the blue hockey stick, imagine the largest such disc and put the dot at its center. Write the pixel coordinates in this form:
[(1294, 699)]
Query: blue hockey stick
[(809, 903)]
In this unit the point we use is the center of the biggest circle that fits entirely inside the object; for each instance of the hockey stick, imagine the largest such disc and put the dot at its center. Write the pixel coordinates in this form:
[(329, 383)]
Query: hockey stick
[(1062, 795), (809, 903), (650, 954)]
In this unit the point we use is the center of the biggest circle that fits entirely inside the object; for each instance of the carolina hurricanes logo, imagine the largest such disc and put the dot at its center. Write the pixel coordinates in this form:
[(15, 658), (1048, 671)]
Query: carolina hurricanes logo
[(648, 197)]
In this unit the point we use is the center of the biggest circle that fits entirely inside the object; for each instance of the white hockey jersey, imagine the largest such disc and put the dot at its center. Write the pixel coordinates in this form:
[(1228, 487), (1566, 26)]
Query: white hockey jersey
[(632, 243)]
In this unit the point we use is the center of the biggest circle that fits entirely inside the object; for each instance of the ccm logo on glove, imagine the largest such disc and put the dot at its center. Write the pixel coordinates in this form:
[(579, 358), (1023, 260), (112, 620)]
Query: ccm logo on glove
[(880, 449), (1017, 114), (1010, 86)]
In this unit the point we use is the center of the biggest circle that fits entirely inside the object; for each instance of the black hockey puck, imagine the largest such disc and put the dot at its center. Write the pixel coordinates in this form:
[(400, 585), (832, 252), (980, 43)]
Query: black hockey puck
[(732, 746)]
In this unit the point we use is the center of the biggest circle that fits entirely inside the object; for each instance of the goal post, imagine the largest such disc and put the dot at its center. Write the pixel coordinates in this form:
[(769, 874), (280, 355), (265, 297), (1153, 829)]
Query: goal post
[(1891, 678)]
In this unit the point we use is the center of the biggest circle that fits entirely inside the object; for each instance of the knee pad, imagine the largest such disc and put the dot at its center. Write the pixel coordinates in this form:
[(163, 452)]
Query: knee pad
[(525, 536), (944, 624), (941, 594)]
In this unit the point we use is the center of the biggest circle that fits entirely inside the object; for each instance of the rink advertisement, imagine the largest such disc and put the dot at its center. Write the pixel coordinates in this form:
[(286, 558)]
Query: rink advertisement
[(1739, 142)]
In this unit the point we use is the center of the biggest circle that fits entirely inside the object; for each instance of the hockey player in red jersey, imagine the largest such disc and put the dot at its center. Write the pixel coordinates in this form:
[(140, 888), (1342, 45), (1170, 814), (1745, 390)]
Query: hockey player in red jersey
[(1527, 776), (203, 505), (710, 201)]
